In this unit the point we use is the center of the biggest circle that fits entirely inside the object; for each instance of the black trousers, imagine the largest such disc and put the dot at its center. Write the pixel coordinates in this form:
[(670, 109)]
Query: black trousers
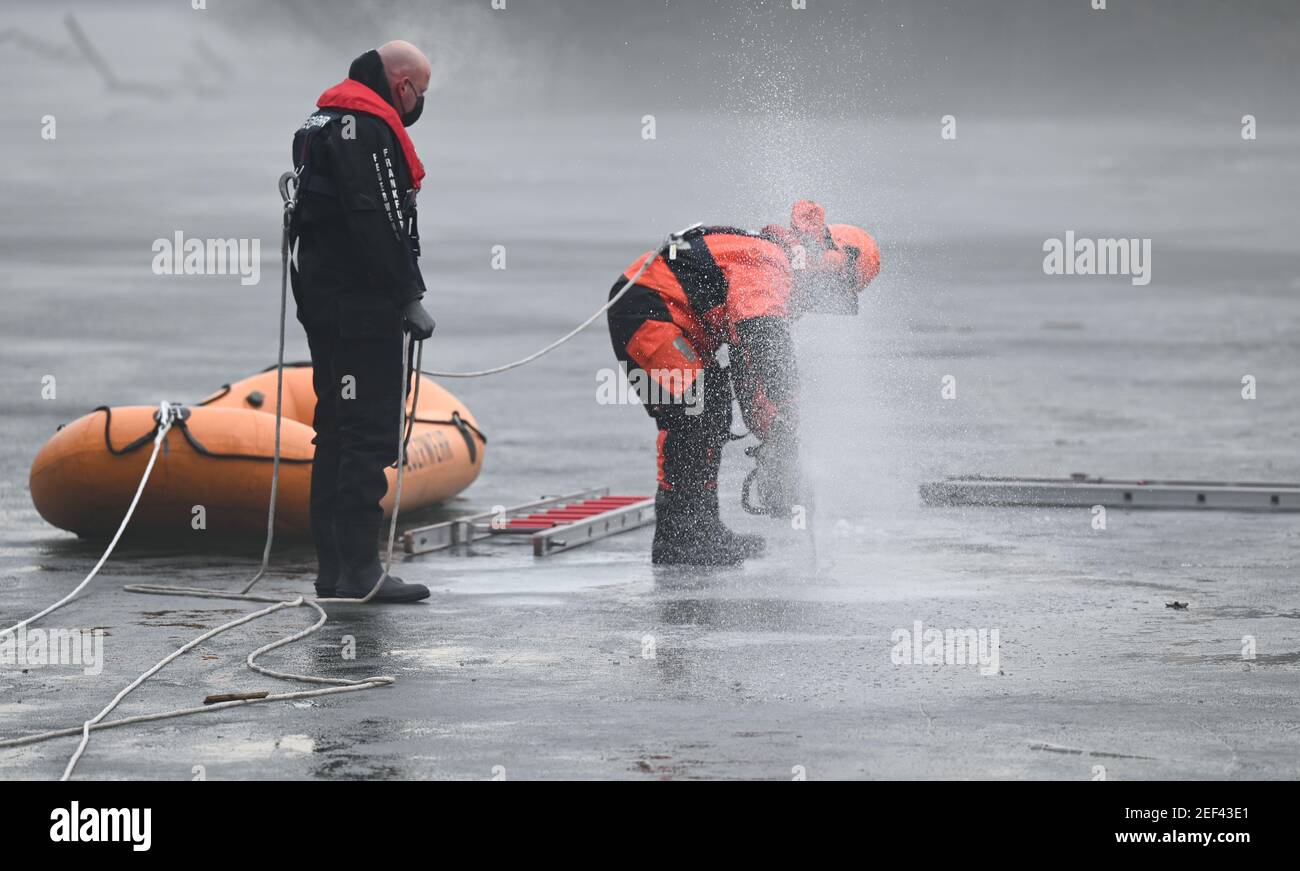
[(356, 355)]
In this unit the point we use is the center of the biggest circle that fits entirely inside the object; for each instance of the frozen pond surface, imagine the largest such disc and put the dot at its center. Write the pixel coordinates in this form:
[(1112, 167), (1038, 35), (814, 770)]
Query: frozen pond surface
[(544, 667)]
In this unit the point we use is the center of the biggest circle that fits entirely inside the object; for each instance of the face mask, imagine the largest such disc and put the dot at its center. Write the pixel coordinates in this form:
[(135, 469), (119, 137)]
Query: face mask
[(409, 118)]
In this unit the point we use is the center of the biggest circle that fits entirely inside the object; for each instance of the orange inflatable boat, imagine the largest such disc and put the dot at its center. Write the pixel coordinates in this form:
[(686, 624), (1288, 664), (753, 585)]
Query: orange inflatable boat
[(214, 471)]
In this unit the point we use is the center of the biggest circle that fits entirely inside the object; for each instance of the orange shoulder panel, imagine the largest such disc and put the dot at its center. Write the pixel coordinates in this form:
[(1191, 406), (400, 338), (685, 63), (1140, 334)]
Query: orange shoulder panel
[(660, 278), (758, 275), (657, 276)]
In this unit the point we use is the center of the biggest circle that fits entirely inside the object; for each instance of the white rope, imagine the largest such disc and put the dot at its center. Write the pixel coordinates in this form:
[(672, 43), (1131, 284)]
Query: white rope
[(279, 400), (183, 712), (379, 680), (85, 727), (289, 193), (166, 416), (567, 336)]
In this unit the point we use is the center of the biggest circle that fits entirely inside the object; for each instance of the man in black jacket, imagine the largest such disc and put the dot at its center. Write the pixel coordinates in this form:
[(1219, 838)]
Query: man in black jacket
[(358, 286)]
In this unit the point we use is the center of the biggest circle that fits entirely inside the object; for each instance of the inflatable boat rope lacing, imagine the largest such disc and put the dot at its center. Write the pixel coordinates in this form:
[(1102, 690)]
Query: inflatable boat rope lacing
[(173, 415)]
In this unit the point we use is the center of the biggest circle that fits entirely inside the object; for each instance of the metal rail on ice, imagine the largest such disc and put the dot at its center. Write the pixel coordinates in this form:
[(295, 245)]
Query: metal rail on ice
[(1083, 491)]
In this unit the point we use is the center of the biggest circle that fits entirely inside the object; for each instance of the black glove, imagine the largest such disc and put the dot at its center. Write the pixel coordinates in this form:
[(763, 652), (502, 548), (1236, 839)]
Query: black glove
[(417, 321)]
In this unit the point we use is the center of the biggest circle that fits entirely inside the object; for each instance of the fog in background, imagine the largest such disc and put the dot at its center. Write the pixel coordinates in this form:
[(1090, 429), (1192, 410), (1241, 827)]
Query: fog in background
[(836, 58)]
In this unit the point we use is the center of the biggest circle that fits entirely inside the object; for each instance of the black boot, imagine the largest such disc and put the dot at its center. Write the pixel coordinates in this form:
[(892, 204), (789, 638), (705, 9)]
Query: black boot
[(327, 559), (358, 584), (684, 534), (750, 544), (360, 569), (323, 481), (326, 585)]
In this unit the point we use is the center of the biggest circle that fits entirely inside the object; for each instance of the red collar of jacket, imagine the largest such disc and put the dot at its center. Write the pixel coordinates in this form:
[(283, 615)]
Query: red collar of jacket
[(351, 94)]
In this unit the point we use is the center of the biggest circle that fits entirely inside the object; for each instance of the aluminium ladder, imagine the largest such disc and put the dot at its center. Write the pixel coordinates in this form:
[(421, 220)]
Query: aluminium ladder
[(552, 523)]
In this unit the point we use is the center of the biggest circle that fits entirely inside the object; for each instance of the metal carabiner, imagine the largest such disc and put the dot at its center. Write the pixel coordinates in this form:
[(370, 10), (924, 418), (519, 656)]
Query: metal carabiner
[(289, 193), (289, 187)]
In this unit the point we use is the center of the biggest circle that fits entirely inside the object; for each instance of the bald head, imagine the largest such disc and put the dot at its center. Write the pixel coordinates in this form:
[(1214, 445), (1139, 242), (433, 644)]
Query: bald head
[(408, 72)]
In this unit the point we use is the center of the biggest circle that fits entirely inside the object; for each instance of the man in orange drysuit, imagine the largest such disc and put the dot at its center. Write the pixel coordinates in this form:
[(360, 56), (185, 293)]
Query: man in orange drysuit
[(723, 286)]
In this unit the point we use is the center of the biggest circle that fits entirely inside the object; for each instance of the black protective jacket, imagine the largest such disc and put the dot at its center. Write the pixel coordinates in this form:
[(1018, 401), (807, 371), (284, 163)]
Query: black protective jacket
[(353, 244)]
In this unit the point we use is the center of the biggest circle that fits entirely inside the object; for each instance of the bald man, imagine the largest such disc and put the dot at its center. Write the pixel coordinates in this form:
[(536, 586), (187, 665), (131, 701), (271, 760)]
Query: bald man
[(357, 283)]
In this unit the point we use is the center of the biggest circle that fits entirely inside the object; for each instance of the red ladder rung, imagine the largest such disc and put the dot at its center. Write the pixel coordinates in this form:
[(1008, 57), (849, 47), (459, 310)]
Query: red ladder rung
[(566, 515), (576, 511)]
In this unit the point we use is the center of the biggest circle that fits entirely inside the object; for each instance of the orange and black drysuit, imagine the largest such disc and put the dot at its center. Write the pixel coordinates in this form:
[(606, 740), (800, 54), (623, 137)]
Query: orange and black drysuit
[(724, 286), (715, 286)]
